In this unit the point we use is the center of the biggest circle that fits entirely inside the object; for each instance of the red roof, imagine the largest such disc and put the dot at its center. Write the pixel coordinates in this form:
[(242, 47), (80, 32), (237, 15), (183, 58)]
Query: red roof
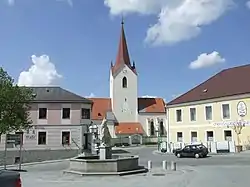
[(229, 82), (129, 128), (122, 57), (149, 105)]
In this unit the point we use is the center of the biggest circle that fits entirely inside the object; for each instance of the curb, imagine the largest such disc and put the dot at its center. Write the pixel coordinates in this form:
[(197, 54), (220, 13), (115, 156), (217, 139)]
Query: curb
[(160, 153), (37, 163)]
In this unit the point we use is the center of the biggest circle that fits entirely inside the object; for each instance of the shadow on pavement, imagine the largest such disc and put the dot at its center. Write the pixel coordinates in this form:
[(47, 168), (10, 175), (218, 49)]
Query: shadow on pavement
[(120, 151)]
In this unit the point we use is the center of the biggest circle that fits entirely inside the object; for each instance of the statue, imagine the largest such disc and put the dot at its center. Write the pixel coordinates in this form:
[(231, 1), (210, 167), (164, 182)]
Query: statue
[(105, 136)]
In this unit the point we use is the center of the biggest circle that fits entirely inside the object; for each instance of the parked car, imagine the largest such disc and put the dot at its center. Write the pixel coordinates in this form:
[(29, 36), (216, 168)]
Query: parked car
[(10, 179), (196, 151)]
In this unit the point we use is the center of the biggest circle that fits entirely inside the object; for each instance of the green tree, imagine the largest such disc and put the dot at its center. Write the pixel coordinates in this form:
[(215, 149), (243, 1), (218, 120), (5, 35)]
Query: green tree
[(14, 105)]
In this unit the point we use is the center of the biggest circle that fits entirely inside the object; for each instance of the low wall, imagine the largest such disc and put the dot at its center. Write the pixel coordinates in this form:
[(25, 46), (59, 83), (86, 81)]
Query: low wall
[(37, 155), (213, 147), (109, 165)]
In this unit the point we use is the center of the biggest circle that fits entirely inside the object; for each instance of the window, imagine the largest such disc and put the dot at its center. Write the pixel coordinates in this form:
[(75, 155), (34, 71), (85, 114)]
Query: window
[(225, 111), (178, 116), (192, 114), (66, 138), (228, 135), (161, 128), (19, 139), (42, 138), (210, 136), (86, 113), (42, 113), (193, 136), (179, 137), (124, 82), (208, 112), (66, 113), (152, 129)]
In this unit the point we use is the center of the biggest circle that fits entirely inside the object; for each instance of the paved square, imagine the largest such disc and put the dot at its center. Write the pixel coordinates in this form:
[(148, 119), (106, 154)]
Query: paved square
[(217, 170)]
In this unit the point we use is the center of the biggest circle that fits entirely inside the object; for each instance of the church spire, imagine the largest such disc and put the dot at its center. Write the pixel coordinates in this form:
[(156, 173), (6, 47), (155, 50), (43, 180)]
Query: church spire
[(122, 55)]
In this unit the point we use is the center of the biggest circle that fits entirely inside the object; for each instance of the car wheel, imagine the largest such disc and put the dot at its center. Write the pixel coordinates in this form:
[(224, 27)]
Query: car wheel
[(197, 155), (178, 155)]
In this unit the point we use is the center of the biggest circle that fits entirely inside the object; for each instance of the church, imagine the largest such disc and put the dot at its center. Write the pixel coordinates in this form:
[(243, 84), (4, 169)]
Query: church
[(132, 115)]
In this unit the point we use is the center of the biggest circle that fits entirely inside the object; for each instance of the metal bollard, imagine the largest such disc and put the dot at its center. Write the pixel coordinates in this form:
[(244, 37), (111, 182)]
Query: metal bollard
[(149, 165), (173, 166), (164, 165)]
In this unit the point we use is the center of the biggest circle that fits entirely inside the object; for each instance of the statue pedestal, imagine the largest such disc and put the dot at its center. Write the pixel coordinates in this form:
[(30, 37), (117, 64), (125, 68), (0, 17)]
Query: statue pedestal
[(105, 152)]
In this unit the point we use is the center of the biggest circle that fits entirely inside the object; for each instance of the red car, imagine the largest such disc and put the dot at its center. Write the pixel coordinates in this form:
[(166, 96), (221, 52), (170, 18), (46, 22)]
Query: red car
[(10, 179)]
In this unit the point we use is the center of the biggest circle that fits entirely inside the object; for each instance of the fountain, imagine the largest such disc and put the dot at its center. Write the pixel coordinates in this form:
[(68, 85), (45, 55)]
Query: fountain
[(105, 163)]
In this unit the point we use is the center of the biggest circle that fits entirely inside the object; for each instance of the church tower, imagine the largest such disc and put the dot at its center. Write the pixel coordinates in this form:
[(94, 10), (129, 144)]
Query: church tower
[(123, 84)]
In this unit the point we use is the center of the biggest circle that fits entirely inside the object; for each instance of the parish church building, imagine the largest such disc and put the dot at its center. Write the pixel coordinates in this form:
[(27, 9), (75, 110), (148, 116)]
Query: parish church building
[(132, 114)]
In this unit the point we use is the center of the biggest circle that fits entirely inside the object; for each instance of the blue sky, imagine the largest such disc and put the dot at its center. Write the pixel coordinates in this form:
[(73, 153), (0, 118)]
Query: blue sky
[(82, 38)]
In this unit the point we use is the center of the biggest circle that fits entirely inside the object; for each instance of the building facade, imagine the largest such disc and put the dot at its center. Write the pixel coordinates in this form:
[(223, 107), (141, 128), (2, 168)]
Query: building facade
[(214, 111), (132, 116), (60, 119)]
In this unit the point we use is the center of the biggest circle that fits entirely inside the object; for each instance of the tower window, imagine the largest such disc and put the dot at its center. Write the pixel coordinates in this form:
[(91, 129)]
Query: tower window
[(124, 82)]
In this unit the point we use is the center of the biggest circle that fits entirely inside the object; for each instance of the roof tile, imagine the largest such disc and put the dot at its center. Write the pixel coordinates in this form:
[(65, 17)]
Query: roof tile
[(149, 105), (129, 128), (228, 82)]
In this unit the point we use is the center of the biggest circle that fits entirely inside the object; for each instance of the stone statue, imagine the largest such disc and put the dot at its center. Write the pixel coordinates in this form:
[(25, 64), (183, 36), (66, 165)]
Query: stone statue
[(105, 136)]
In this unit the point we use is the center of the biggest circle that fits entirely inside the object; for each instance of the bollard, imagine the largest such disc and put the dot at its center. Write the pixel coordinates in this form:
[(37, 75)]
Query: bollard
[(149, 165), (173, 166), (164, 165)]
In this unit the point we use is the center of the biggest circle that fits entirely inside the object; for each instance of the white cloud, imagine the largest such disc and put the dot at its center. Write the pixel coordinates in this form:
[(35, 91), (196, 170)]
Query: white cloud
[(206, 60), (175, 95), (41, 73), (178, 20), (148, 96), (11, 2), (248, 4), (70, 2), (91, 95)]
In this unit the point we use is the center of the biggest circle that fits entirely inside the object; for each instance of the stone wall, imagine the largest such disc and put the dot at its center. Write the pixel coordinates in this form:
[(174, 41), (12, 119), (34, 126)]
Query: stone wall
[(38, 155)]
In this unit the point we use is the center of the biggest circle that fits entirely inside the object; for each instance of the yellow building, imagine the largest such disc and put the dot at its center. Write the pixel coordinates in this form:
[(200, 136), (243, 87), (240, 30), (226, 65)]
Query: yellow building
[(214, 111)]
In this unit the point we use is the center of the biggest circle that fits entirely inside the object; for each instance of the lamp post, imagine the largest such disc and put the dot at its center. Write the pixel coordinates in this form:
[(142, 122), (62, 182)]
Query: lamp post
[(120, 137), (137, 135), (158, 133), (93, 129)]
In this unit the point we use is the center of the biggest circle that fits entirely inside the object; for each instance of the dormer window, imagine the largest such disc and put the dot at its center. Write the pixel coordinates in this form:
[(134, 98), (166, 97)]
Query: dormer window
[(124, 82)]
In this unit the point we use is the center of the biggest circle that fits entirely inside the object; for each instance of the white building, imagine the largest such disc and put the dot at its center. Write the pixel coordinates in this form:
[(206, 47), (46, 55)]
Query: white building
[(133, 115)]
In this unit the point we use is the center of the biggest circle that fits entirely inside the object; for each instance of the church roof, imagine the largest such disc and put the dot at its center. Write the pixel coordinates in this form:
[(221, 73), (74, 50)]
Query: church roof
[(228, 82), (145, 105), (129, 128), (122, 57)]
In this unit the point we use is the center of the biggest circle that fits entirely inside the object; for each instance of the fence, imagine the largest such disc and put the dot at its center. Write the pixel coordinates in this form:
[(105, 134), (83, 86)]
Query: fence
[(136, 140)]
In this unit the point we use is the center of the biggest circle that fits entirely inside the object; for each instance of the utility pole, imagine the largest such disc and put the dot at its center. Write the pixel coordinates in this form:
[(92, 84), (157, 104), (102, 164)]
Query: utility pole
[(5, 151), (20, 152)]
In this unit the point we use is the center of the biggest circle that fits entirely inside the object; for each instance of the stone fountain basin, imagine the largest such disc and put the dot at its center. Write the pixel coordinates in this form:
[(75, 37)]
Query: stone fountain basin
[(117, 165)]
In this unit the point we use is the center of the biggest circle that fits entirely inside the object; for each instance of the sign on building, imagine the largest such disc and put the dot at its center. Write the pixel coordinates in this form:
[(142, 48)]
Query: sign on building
[(242, 112)]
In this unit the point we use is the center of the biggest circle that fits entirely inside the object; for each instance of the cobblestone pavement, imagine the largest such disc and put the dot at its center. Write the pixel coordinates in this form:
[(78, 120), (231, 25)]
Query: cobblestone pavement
[(222, 176), (217, 170)]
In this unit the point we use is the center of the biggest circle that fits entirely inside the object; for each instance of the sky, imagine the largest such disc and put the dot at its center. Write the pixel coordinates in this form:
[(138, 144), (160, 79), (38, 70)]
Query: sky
[(176, 44)]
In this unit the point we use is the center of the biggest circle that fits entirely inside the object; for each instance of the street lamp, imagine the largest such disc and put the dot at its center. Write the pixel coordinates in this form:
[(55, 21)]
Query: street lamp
[(137, 135), (93, 129), (158, 133), (120, 137)]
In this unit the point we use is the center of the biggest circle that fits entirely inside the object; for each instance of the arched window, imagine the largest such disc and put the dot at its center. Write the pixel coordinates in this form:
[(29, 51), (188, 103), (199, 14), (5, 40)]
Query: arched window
[(124, 82), (161, 128), (152, 129)]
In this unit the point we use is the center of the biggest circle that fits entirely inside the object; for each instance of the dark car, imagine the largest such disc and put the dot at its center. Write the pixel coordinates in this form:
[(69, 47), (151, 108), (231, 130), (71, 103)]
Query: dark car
[(10, 179), (196, 151)]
